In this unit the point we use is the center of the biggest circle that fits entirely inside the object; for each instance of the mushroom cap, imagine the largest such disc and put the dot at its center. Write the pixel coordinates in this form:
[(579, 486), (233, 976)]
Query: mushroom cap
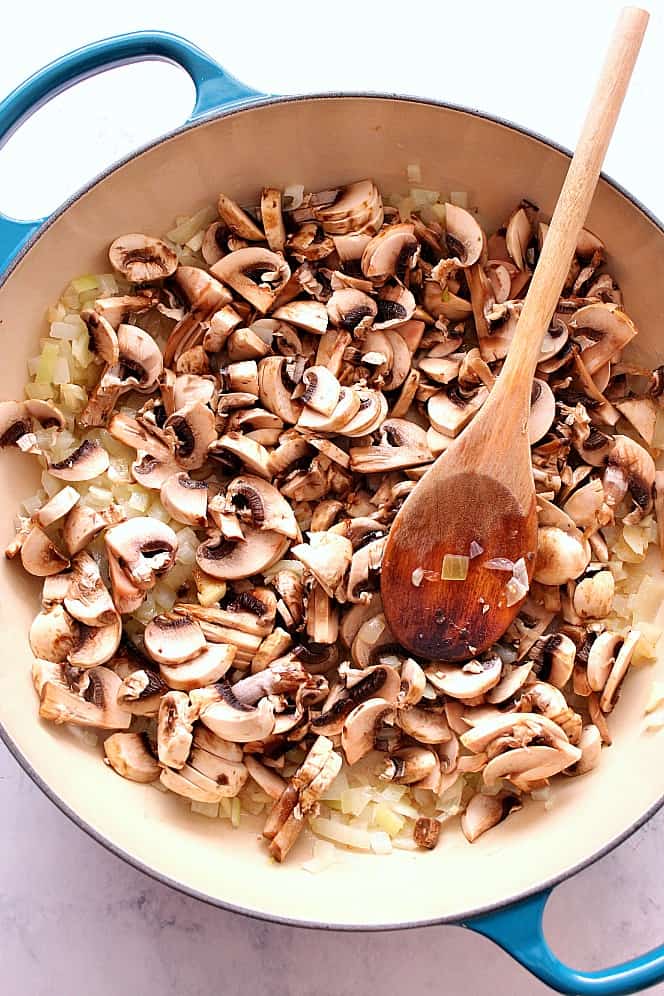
[(144, 547), (561, 556), (174, 729), (142, 258), (88, 461), (39, 555), (173, 639), (258, 550), (52, 634), (185, 499), (593, 596)]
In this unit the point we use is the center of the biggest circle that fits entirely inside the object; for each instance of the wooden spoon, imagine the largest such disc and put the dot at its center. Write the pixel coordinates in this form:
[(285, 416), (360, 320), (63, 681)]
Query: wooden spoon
[(481, 489)]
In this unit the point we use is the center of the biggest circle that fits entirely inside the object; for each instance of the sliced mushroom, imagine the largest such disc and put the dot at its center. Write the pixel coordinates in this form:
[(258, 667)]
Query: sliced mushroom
[(238, 221), (130, 755), (229, 561), (554, 657), (185, 499), (53, 634), (193, 430), (205, 296), (174, 729), (321, 390), (593, 596), (450, 412), (57, 507), (88, 461), (206, 668), (517, 236), (235, 721), (95, 704), (357, 208), (144, 547), (308, 315), (561, 555), (358, 733), (142, 258), (141, 692), (403, 444), (465, 239), (140, 363), (467, 682), (327, 556), (95, 645), (386, 252), (87, 598), (486, 811), (351, 309), (252, 454), (258, 275), (39, 555), (590, 745), (630, 469), (173, 639), (254, 499), (614, 328), (428, 726), (102, 338), (408, 766), (542, 411)]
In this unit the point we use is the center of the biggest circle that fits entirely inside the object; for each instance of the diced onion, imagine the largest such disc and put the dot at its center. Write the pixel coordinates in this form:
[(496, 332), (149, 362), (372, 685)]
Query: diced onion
[(63, 330), (417, 577), (459, 198), (324, 855), (209, 809), (499, 564), (386, 819), (455, 567), (235, 812), (355, 800), (475, 550), (414, 173), (190, 226), (74, 398)]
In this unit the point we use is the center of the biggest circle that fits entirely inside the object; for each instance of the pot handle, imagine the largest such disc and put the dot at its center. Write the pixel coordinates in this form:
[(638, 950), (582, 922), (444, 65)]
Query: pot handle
[(215, 88), (518, 931)]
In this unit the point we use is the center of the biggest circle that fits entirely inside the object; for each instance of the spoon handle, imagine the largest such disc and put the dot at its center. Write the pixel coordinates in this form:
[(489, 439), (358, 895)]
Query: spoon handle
[(574, 201)]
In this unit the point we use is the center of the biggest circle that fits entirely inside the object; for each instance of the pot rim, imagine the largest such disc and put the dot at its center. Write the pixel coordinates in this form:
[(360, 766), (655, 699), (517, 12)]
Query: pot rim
[(106, 842)]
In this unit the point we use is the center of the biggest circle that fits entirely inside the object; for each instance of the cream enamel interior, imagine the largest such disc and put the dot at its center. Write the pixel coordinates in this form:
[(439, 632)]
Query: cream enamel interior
[(320, 142)]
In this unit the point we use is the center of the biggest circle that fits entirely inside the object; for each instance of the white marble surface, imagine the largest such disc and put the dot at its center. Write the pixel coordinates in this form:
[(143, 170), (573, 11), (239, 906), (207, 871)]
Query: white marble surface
[(74, 918)]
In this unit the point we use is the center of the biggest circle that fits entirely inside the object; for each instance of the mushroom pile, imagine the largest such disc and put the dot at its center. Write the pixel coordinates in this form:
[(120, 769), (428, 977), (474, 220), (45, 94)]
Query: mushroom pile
[(227, 425)]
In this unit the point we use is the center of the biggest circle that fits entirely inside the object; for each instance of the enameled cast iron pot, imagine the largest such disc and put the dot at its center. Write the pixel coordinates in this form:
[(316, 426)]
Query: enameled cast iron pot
[(237, 140)]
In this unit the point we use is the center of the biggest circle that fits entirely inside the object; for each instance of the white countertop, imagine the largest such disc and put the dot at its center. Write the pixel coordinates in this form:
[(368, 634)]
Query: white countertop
[(74, 918)]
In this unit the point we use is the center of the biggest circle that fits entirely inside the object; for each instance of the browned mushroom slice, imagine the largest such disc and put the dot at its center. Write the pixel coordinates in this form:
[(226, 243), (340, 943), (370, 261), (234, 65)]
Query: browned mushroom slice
[(258, 550), (130, 755), (119, 309), (263, 505), (308, 243), (144, 547), (142, 259), (238, 221), (255, 274), (88, 461)]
